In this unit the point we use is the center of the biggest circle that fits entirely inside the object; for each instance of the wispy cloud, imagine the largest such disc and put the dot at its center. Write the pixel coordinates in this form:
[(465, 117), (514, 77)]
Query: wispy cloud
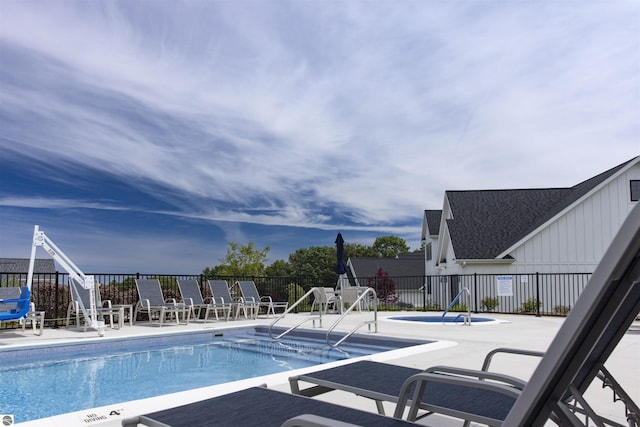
[(352, 115)]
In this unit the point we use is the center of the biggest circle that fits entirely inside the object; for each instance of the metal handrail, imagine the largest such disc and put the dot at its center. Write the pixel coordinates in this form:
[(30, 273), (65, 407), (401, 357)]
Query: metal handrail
[(361, 324), (319, 317), (467, 319)]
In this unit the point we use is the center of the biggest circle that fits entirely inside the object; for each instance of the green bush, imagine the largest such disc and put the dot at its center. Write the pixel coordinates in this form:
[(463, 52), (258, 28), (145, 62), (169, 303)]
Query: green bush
[(489, 304), (459, 307), (432, 306), (561, 309), (531, 306), (398, 306)]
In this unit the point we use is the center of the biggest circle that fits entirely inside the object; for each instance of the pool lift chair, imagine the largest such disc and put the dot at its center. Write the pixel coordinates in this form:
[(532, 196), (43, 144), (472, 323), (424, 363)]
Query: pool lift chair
[(77, 279), (12, 308)]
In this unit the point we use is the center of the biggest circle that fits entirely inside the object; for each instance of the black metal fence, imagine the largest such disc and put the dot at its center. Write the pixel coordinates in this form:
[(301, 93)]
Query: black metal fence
[(536, 293)]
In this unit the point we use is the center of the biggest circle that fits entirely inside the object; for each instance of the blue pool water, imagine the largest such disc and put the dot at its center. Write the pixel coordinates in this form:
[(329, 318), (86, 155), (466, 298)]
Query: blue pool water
[(439, 319), (43, 382)]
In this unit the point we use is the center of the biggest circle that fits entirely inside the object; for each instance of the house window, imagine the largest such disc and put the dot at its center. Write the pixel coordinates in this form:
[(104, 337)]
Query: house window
[(428, 249), (635, 189)]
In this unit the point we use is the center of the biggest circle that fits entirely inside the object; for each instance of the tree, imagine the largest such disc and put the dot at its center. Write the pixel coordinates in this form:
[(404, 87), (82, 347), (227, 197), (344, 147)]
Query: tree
[(390, 246), (315, 261), (279, 268), (245, 260), (357, 250)]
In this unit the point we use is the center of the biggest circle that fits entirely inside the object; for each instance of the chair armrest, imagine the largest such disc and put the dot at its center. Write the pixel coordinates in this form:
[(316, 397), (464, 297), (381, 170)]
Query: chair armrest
[(107, 303), (5, 301), (420, 380), (266, 299), (520, 352), (478, 375)]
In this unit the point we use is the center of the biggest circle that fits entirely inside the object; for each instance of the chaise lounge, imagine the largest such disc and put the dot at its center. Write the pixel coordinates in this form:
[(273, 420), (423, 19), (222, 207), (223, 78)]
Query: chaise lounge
[(192, 297), (152, 303), (250, 295)]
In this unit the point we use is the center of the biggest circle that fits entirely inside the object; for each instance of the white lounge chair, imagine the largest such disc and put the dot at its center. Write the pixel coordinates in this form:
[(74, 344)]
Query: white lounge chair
[(152, 302), (222, 296), (251, 295), (323, 298), (192, 297)]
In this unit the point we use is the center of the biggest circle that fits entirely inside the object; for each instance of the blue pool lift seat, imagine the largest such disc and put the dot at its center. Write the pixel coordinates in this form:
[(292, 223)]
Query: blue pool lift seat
[(16, 308)]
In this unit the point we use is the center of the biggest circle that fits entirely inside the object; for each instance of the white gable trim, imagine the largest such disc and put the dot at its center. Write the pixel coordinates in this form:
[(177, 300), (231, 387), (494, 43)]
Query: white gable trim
[(563, 212)]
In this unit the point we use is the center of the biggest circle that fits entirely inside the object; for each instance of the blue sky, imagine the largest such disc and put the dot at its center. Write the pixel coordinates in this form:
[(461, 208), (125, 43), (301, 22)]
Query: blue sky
[(144, 136)]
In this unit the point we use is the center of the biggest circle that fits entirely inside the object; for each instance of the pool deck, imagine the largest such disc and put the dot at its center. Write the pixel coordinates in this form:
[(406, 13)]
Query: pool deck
[(461, 346)]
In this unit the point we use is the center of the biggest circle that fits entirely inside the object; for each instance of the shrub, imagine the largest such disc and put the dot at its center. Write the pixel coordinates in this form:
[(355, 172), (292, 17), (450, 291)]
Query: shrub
[(384, 285), (489, 304), (397, 306), (43, 295), (561, 309), (432, 306), (531, 306)]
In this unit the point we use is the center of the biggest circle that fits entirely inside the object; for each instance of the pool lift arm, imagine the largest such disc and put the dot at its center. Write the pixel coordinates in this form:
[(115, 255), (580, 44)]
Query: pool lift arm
[(76, 277)]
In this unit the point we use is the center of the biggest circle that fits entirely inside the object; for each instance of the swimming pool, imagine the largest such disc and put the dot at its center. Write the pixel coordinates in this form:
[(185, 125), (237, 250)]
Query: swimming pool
[(447, 320), (66, 378)]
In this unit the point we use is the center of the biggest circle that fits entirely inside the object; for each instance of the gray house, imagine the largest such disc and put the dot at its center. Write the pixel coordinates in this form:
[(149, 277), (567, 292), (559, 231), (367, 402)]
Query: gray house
[(409, 264), (407, 272), (21, 265), (517, 236), (547, 230)]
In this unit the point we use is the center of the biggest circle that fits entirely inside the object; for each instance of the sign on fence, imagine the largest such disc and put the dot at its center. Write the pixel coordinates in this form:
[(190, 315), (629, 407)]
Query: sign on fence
[(505, 286)]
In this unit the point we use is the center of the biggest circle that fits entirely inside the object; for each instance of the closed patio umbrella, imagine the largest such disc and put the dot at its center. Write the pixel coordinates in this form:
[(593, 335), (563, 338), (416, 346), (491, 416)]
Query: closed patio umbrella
[(341, 267)]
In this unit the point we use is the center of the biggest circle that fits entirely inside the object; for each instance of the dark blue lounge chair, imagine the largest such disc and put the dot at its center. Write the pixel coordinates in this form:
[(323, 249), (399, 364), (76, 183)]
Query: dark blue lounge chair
[(258, 407)]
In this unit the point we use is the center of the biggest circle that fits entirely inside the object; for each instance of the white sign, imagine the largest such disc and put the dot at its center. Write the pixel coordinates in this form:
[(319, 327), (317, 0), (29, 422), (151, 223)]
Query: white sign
[(524, 279), (505, 286)]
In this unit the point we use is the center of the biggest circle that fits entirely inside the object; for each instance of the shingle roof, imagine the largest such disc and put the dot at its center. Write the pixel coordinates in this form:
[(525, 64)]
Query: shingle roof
[(402, 266), (487, 222), (433, 221), (21, 265)]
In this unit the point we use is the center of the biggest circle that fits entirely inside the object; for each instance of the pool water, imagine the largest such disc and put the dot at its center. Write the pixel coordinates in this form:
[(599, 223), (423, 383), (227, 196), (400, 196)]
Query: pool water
[(453, 319), (38, 383)]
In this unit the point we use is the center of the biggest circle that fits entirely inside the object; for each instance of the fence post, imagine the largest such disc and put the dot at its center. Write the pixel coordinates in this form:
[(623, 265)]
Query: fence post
[(475, 293), (57, 298), (424, 293), (538, 294)]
